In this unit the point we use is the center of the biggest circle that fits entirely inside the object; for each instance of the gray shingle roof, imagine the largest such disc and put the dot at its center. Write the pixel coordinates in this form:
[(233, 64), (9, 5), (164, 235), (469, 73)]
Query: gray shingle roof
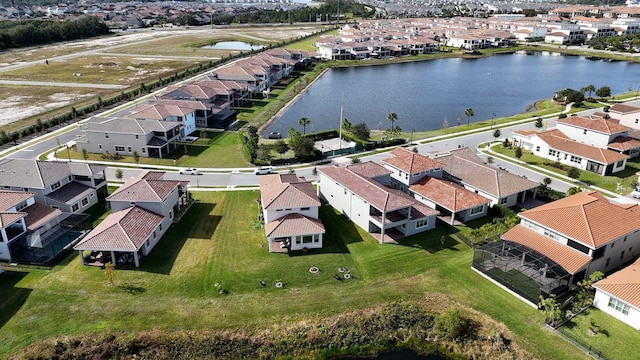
[(32, 173)]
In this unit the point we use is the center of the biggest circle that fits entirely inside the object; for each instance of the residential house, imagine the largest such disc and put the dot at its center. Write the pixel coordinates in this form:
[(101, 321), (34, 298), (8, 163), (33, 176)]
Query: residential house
[(143, 209), (600, 132), (554, 145), (563, 242), (257, 78), (407, 167), (182, 113), (627, 115), (70, 187), (290, 209), (34, 233), (379, 210), (619, 295), (124, 136), (214, 95), (464, 167)]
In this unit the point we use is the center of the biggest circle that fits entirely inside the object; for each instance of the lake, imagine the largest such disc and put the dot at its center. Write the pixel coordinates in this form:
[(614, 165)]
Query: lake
[(233, 45), (424, 93)]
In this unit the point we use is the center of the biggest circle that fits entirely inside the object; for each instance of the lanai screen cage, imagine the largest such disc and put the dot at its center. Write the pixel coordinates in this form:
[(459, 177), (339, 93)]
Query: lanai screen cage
[(521, 269)]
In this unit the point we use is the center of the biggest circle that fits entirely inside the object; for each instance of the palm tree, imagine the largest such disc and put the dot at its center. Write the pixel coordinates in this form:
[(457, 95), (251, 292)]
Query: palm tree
[(468, 113), (392, 117), (588, 89), (304, 122)]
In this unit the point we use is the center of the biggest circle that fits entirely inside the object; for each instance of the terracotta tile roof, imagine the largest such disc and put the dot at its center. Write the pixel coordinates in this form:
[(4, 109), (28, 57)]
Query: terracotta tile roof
[(570, 259), (564, 144), (367, 189), (39, 214), (623, 143), (9, 199), (293, 224), (410, 162), (598, 124), (7, 218), (447, 194), (124, 230), (623, 285), (286, 191), (143, 189), (464, 165), (624, 109), (594, 221), (525, 132), (369, 169)]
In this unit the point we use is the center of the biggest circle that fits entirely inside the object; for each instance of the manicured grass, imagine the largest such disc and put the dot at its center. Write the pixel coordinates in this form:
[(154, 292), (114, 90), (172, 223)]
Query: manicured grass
[(616, 340), (217, 242), (624, 178), (217, 150)]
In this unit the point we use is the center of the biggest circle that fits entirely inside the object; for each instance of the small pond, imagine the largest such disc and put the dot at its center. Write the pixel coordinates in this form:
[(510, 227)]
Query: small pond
[(233, 45)]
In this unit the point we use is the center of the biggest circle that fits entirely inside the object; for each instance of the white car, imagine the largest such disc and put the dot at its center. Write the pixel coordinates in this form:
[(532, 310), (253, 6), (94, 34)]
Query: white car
[(636, 192), (189, 171), (263, 170)]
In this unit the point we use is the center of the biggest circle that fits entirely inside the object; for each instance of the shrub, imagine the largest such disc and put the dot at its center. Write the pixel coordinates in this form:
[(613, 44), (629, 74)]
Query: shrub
[(451, 325)]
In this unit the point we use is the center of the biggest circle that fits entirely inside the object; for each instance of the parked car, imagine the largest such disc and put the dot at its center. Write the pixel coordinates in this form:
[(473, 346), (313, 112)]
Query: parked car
[(189, 171), (263, 170), (636, 192)]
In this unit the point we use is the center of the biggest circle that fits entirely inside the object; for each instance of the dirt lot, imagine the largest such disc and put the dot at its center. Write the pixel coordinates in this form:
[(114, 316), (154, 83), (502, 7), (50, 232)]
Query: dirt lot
[(127, 59)]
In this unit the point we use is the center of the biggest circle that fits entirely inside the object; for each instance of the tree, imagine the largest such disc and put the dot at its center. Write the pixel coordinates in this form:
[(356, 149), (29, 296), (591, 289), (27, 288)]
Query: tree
[(469, 114), (85, 154), (136, 157), (445, 124), (496, 133), (539, 123), (573, 172), (489, 160), (588, 89), (361, 131), (119, 174), (604, 91), (263, 153), (518, 152), (109, 272), (304, 122), (550, 308), (302, 146), (562, 116), (547, 181), (281, 147), (346, 124), (393, 117), (573, 190)]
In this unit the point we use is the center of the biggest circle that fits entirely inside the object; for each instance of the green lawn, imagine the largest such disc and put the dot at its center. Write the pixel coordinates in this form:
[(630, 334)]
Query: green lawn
[(610, 182), (616, 340), (217, 150), (217, 242)]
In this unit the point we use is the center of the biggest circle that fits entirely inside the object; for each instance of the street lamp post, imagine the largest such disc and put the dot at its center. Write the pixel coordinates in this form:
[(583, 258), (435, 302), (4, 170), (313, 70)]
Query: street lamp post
[(493, 120)]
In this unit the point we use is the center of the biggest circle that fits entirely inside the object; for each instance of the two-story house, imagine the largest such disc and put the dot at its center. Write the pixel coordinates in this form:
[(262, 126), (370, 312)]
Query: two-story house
[(70, 187), (627, 114), (143, 209), (170, 111), (383, 212), (213, 94), (600, 132), (560, 243), (148, 138), (290, 210), (407, 167)]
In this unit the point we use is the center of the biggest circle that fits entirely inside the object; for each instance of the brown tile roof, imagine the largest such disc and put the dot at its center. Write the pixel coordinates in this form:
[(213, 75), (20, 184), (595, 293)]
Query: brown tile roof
[(367, 189), (410, 162), (570, 259), (623, 285), (9, 199), (465, 165), (141, 189), (623, 143), (7, 218), (624, 108), (286, 191), (586, 217), (124, 230), (447, 194), (293, 224), (602, 156), (38, 215), (598, 124), (369, 169)]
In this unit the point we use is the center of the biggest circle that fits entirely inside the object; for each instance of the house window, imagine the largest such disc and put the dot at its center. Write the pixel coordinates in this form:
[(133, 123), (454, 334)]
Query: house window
[(106, 136), (119, 148), (85, 201), (422, 223), (636, 121), (576, 159), (160, 227), (70, 177), (537, 148), (147, 243), (179, 118), (305, 209), (75, 207), (584, 132), (613, 243), (91, 195), (552, 152), (618, 305), (21, 205), (129, 148), (306, 239), (100, 146), (154, 234), (619, 163), (316, 238), (55, 185), (477, 210), (137, 137), (144, 150), (503, 201), (607, 263), (132, 203), (551, 234), (622, 255), (598, 253), (170, 214)]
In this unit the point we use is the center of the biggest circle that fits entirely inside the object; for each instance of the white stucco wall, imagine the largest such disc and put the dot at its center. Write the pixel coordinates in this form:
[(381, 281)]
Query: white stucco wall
[(274, 214), (601, 301), (591, 137), (353, 207)]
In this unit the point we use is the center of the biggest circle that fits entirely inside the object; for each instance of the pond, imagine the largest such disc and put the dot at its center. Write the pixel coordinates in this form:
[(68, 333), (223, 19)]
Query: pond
[(423, 94), (233, 45)]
